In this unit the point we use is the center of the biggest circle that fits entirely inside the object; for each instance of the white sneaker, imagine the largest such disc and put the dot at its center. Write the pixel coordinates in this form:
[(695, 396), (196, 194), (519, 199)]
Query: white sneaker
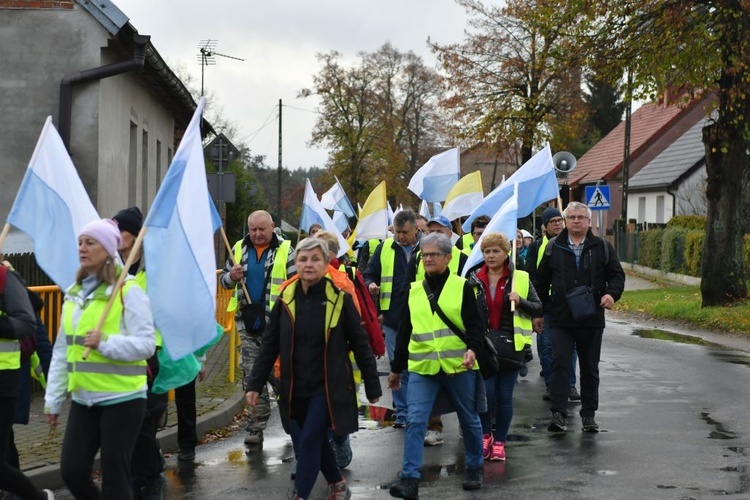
[(50, 494), (433, 438)]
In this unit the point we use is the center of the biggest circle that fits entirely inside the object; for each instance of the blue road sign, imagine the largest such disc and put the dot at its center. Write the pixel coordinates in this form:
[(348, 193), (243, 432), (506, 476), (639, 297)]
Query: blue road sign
[(597, 197)]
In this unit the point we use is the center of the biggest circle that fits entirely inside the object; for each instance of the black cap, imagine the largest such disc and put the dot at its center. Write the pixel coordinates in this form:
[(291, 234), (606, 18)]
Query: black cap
[(550, 213), (130, 220)]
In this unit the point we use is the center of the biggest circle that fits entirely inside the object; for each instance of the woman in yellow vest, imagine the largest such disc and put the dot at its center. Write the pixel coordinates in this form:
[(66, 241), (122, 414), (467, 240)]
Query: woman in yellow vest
[(493, 282), (312, 328), (108, 388)]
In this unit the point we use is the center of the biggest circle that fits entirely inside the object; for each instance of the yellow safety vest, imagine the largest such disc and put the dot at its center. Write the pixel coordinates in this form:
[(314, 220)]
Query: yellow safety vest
[(433, 346), (37, 373), (467, 240), (540, 251), (352, 274), (10, 353), (522, 326), (387, 263), (98, 373), (452, 265), (334, 304), (278, 273)]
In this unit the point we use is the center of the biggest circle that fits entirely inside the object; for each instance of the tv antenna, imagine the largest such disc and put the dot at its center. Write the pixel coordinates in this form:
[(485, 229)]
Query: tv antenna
[(207, 56)]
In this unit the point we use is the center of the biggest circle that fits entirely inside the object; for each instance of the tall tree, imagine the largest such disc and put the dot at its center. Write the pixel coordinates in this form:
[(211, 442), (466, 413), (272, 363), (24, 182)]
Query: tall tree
[(516, 76), (701, 46)]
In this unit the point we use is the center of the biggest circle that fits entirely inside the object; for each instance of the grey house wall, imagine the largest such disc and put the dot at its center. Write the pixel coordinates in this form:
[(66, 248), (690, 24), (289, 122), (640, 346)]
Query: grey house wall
[(31, 67)]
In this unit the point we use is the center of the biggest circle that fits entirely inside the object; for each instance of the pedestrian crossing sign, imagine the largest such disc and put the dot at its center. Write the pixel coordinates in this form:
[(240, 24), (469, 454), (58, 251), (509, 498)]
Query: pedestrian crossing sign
[(597, 197)]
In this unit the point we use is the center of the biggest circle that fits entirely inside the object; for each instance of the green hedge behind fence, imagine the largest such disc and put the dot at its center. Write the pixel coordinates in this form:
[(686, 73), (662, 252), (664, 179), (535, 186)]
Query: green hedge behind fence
[(679, 247)]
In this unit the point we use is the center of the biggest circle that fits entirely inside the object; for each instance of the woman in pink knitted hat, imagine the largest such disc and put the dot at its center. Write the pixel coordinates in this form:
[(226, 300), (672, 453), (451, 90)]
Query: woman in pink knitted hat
[(108, 387)]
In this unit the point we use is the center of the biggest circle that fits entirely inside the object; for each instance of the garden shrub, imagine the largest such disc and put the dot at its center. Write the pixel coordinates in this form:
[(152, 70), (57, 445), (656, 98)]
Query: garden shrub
[(649, 248), (673, 250), (688, 222), (694, 250)]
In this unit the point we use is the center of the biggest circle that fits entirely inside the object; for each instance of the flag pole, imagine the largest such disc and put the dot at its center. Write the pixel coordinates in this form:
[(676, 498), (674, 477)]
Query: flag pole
[(118, 284), (4, 234), (512, 280), (234, 262)]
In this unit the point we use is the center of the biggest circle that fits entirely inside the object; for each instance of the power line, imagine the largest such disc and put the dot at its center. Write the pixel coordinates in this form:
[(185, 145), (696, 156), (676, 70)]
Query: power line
[(300, 109), (266, 123)]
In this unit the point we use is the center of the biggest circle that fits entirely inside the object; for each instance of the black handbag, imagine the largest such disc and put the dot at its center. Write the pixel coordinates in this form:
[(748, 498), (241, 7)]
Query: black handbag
[(505, 345), (487, 355), (580, 299)]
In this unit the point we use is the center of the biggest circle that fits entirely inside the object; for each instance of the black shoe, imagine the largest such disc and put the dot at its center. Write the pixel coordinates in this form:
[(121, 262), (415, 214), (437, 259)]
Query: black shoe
[(558, 423), (589, 424), (154, 489), (546, 396), (573, 395), (523, 371), (405, 487), (186, 455), (474, 479)]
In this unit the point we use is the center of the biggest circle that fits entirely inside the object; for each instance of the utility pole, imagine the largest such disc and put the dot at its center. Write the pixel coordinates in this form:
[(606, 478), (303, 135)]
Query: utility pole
[(278, 192), (626, 155)]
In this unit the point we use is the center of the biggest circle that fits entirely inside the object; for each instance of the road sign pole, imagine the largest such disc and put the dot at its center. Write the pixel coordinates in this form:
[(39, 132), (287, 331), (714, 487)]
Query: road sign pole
[(601, 223)]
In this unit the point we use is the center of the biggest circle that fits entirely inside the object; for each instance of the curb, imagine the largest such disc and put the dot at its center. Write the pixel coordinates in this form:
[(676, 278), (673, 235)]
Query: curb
[(49, 476), (661, 275)]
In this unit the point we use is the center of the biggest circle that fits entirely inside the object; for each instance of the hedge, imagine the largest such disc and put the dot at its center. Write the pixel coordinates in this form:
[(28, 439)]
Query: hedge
[(649, 248), (673, 250)]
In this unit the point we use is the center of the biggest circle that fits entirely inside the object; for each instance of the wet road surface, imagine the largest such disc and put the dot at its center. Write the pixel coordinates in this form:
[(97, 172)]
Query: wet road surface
[(673, 413)]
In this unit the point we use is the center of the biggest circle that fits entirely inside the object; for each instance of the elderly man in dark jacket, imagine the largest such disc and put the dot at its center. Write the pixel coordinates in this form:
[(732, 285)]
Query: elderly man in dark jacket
[(576, 258)]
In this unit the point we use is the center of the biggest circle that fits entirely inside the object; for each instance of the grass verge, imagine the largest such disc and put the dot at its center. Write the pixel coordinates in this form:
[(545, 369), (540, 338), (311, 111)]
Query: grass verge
[(683, 304)]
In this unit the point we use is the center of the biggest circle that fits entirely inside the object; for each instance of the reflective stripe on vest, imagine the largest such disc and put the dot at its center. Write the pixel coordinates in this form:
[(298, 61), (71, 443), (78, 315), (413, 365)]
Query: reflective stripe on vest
[(433, 346), (522, 326), (10, 354), (540, 251), (98, 373), (387, 263), (452, 265)]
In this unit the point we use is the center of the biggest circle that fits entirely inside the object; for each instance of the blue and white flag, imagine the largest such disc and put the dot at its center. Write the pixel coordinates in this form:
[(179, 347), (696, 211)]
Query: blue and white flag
[(52, 206), (313, 212), (437, 209), (537, 183), (390, 213), (340, 221), (179, 249), (434, 179), (505, 221), (336, 199), (424, 210)]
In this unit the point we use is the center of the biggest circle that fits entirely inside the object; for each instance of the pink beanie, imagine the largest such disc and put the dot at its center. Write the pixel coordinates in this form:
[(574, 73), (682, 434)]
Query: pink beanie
[(106, 232)]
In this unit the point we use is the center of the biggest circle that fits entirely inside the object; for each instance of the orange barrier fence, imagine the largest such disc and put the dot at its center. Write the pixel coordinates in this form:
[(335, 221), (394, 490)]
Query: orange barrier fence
[(53, 298)]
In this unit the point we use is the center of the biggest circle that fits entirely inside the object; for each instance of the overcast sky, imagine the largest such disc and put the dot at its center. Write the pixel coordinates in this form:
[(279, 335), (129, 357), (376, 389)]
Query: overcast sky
[(279, 40)]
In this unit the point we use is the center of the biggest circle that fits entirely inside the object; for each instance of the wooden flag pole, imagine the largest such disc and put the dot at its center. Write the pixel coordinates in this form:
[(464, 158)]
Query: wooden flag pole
[(234, 262), (4, 234), (118, 284)]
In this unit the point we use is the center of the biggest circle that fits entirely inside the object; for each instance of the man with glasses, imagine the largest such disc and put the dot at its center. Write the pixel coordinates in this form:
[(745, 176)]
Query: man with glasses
[(577, 258), (478, 226), (552, 223), (436, 356)]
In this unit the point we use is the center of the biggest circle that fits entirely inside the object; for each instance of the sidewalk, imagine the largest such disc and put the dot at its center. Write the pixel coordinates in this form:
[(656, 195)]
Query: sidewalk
[(217, 401)]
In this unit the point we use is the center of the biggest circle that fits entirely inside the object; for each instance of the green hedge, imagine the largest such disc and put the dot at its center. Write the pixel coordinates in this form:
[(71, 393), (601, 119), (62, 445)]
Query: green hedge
[(694, 251), (649, 248), (673, 250), (688, 222)]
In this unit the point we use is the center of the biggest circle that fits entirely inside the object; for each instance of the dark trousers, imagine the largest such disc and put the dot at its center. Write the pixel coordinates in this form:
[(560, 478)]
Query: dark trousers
[(314, 454), (588, 342), (147, 460), (12, 479), (111, 429), (184, 398)]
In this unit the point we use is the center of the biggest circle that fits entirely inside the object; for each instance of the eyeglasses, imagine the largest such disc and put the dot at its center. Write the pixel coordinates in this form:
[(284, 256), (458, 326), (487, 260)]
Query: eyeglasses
[(433, 255), (575, 218), (556, 220)]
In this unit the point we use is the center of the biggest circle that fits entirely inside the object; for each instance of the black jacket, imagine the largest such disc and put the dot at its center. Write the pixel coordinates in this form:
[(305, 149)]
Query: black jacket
[(401, 283), (607, 279), (348, 335)]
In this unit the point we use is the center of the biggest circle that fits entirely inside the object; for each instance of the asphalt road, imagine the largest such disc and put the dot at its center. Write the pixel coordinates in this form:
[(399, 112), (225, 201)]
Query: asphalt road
[(673, 412)]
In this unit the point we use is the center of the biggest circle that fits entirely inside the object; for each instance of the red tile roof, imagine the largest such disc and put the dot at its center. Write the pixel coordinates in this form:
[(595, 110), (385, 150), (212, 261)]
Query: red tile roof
[(604, 160)]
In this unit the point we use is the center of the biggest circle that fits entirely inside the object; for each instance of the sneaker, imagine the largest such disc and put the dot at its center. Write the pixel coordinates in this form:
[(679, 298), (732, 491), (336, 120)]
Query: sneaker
[(254, 437), (498, 452), (339, 491), (487, 440), (589, 424), (399, 422), (558, 423), (573, 395), (433, 438), (50, 494), (546, 395), (405, 487), (343, 451), (186, 455), (474, 479)]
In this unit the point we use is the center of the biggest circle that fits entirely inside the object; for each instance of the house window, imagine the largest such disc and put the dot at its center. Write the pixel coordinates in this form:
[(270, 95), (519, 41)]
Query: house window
[(132, 163), (660, 215), (144, 171), (641, 209), (158, 162)]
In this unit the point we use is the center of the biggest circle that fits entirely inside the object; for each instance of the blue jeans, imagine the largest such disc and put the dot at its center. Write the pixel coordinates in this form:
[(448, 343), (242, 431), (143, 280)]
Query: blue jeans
[(499, 391), (462, 388), (399, 396), (544, 350)]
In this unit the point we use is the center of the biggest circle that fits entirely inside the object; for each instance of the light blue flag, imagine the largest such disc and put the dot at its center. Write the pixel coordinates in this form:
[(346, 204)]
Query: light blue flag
[(313, 211), (340, 221), (505, 221), (52, 206), (537, 183), (424, 210), (336, 199), (437, 209), (179, 249), (434, 180)]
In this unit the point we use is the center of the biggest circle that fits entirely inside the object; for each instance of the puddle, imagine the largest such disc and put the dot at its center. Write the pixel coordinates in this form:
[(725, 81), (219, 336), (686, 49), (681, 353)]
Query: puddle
[(673, 337), (719, 431), (732, 357), (375, 417)]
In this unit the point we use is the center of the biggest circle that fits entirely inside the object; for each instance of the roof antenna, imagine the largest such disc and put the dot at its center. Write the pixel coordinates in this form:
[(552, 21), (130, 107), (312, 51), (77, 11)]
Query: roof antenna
[(206, 56)]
